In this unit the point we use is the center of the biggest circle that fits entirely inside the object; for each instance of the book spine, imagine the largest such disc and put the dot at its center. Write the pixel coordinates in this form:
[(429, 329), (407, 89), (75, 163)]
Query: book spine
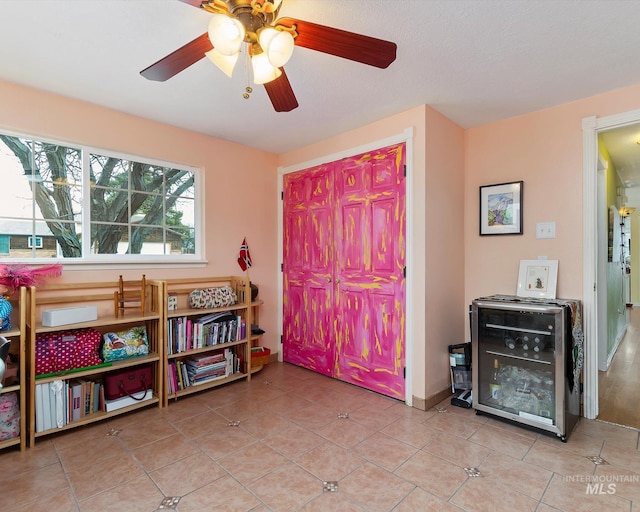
[(58, 403), (92, 386), (102, 399), (175, 377), (69, 405), (170, 390), (46, 406), (39, 408), (179, 371), (185, 374), (96, 396), (76, 392)]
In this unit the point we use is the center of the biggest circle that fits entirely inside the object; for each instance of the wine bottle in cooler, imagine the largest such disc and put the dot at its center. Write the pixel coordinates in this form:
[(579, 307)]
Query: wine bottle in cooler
[(539, 343), (495, 386), (510, 341)]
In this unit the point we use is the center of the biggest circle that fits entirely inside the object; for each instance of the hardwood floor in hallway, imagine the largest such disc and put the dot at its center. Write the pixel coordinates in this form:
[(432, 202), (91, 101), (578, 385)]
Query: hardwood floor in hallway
[(619, 387)]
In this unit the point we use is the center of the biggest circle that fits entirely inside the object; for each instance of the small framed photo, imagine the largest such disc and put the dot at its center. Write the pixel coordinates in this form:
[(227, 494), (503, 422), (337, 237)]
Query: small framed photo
[(501, 209), (538, 279), (172, 301)]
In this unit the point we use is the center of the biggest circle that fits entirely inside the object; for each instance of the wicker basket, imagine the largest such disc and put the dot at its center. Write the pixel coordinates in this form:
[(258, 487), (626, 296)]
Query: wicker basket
[(259, 357)]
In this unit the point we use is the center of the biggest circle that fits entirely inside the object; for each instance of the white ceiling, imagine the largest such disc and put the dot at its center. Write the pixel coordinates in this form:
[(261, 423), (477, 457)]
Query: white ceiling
[(475, 61)]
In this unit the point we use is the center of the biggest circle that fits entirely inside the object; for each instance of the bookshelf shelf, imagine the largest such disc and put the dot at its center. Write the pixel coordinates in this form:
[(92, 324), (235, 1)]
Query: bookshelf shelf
[(193, 349), (18, 385), (115, 365), (256, 338), (101, 296), (206, 349), (98, 416), (209, 384)]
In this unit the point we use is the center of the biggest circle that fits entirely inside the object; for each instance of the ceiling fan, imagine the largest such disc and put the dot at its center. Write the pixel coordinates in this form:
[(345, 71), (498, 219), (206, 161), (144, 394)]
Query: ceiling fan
[(270, 42)]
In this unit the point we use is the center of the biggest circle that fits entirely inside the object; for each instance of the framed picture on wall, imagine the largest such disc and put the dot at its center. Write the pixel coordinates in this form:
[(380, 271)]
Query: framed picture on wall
[(501, 209), (538, 279)]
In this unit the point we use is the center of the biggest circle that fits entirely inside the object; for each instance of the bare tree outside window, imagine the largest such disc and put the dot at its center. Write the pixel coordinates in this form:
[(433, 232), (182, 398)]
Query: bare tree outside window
[(134, 208)]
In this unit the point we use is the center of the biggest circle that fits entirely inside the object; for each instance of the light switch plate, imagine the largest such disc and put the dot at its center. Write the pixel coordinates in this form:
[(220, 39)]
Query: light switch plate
[(546, 230)]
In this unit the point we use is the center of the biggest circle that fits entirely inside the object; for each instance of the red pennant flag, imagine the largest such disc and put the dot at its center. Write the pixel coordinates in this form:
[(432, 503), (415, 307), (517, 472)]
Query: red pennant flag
[(244, 260)]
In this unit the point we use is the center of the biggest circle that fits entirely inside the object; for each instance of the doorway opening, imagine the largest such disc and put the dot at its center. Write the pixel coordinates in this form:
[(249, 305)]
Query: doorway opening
[(611, 335)]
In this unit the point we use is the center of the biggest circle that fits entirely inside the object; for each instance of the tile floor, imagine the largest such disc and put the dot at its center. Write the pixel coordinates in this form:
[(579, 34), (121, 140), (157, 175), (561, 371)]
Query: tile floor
[(293, 440)]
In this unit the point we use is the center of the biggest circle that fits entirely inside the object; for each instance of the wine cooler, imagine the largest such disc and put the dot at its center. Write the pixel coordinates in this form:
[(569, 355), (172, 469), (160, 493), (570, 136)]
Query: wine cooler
[(522, 357)]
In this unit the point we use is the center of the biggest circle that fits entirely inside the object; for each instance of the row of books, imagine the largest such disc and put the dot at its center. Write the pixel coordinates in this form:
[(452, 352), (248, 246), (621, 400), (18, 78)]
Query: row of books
[(60, 402), (197, 370), (185, 333)]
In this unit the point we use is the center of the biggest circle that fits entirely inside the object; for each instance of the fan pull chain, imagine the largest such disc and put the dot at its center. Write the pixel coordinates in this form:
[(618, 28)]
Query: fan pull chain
[(247, 62)]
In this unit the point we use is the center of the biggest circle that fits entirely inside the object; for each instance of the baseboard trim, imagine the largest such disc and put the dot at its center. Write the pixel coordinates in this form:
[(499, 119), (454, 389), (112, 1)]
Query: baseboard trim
[(425, 404), (419, 403)]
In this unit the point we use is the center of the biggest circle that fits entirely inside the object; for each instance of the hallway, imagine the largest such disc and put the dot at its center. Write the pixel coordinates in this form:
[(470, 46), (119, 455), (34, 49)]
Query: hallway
[(619, 387)]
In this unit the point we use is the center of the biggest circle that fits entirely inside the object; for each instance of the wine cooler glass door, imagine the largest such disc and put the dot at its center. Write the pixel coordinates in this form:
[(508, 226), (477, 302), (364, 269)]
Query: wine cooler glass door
[(516, 363)]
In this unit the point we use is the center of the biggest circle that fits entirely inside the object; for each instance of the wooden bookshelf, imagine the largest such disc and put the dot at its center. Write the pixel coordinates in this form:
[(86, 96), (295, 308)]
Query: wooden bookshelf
[(180, 349), (101, 296), (256, 338), (16, 335)]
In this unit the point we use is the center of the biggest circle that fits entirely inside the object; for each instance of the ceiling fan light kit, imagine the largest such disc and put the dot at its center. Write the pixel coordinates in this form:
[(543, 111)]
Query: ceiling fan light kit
[(270, 45), (277, 44), (263, 71), (226, 63), (226, 34)]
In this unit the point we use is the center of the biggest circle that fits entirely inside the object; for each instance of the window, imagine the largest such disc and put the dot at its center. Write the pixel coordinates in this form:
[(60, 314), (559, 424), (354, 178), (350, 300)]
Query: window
[(35, 241), (4, 244), (85, 205)]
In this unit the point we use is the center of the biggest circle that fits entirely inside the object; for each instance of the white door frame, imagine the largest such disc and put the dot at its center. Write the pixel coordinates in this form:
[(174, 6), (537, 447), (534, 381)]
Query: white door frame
[(405, 137), (591, 287)]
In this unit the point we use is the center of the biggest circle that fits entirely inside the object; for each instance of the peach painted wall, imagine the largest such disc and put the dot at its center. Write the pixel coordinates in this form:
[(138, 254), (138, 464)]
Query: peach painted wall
[(240, 182), (544, 149), (445, 247), (437, 246)]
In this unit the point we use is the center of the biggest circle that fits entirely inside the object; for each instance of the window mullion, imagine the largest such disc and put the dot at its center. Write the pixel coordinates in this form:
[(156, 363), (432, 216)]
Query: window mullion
[(33, 196), (129, 206), (85, 220), (164, 212)]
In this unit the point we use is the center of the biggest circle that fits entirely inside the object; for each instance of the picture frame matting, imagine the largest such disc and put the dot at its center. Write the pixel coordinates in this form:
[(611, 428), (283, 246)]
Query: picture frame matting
[(537, 279), (501, 209)]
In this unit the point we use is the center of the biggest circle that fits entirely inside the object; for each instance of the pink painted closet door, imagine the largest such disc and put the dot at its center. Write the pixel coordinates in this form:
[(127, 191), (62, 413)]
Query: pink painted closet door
[(308, 337), (370, 297)]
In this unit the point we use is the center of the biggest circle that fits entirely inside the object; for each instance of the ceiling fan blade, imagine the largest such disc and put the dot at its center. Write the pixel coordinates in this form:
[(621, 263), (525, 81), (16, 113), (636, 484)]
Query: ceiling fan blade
[(348, 45), (281, 94), (195, 3), (178, 60)]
